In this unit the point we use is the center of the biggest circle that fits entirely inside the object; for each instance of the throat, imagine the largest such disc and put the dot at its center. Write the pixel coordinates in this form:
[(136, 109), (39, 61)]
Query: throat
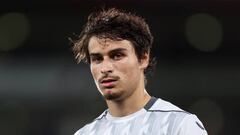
[(128, 106)]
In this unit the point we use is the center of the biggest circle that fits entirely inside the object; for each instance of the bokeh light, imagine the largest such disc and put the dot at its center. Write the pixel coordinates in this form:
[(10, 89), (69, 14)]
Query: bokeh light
[(204, 32), (14, 30), (210, 113)]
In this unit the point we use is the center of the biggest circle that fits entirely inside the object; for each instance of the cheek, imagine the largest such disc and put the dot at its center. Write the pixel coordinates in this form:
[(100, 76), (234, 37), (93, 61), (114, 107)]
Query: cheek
[(129, 69), (94, 71)]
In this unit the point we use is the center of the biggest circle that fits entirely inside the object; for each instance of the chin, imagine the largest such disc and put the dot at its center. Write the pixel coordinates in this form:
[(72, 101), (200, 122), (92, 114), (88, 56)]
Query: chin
[(112, 96)]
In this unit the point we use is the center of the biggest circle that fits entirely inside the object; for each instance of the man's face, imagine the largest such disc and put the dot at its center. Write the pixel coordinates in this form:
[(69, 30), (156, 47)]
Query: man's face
[(115, 67)]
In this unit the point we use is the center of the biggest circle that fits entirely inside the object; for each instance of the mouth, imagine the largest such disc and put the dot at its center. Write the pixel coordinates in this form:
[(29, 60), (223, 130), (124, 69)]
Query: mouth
[(108, 82)]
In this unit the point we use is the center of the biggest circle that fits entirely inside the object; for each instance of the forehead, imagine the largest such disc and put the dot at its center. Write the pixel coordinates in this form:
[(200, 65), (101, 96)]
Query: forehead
[(97, 45)]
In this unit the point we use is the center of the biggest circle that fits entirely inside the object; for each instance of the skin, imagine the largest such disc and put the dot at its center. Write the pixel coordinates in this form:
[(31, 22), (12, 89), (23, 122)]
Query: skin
[(118, 75)]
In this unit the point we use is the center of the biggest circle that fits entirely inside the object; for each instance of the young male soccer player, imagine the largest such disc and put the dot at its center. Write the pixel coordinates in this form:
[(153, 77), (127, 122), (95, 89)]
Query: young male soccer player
[(117, 45)]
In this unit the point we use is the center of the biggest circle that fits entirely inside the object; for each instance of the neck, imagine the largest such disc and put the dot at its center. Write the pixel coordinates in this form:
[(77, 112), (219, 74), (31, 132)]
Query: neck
[(128, 105)]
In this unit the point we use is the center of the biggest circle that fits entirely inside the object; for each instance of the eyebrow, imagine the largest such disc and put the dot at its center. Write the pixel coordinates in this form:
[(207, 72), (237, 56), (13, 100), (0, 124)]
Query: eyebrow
[(110, 52)]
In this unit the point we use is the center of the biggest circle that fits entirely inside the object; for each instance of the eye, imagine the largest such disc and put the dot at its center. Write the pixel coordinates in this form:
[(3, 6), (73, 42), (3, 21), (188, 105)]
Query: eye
[(96, 59), (118, 56)]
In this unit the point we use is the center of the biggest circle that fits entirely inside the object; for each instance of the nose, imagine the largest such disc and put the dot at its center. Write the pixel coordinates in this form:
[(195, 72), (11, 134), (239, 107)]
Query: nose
[(106, 67)]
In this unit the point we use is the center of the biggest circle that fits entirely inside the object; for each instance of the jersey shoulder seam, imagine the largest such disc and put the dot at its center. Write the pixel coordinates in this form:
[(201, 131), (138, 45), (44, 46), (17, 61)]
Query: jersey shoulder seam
[(178, 111), (101, 116)]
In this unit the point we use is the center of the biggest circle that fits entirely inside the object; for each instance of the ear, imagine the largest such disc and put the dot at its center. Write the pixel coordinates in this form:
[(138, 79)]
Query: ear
[(144, 61)]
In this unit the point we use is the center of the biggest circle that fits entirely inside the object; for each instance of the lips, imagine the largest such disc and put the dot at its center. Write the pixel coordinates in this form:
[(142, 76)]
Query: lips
[(108, 82)]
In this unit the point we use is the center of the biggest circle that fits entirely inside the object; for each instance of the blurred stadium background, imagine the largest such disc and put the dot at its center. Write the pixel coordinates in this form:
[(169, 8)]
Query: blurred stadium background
[(44, 92)]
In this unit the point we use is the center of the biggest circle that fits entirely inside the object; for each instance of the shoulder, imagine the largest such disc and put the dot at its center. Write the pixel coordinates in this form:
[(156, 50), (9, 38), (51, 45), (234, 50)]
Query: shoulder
[(167, 112), (191, 125), (161, 105), (85, 129), (180, 121)]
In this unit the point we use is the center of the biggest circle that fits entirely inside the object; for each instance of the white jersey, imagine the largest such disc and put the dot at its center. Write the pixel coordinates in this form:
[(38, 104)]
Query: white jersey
[(158, 117)]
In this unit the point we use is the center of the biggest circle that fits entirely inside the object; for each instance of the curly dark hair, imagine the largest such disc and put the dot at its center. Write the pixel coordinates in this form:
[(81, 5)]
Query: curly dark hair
[(118, 25)]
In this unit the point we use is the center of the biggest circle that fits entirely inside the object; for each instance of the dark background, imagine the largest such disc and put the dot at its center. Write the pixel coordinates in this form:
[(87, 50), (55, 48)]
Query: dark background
[(44, 92)]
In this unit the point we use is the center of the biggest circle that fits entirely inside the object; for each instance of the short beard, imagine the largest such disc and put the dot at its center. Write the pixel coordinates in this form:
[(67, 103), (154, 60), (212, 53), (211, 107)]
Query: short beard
[(113, 96)]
